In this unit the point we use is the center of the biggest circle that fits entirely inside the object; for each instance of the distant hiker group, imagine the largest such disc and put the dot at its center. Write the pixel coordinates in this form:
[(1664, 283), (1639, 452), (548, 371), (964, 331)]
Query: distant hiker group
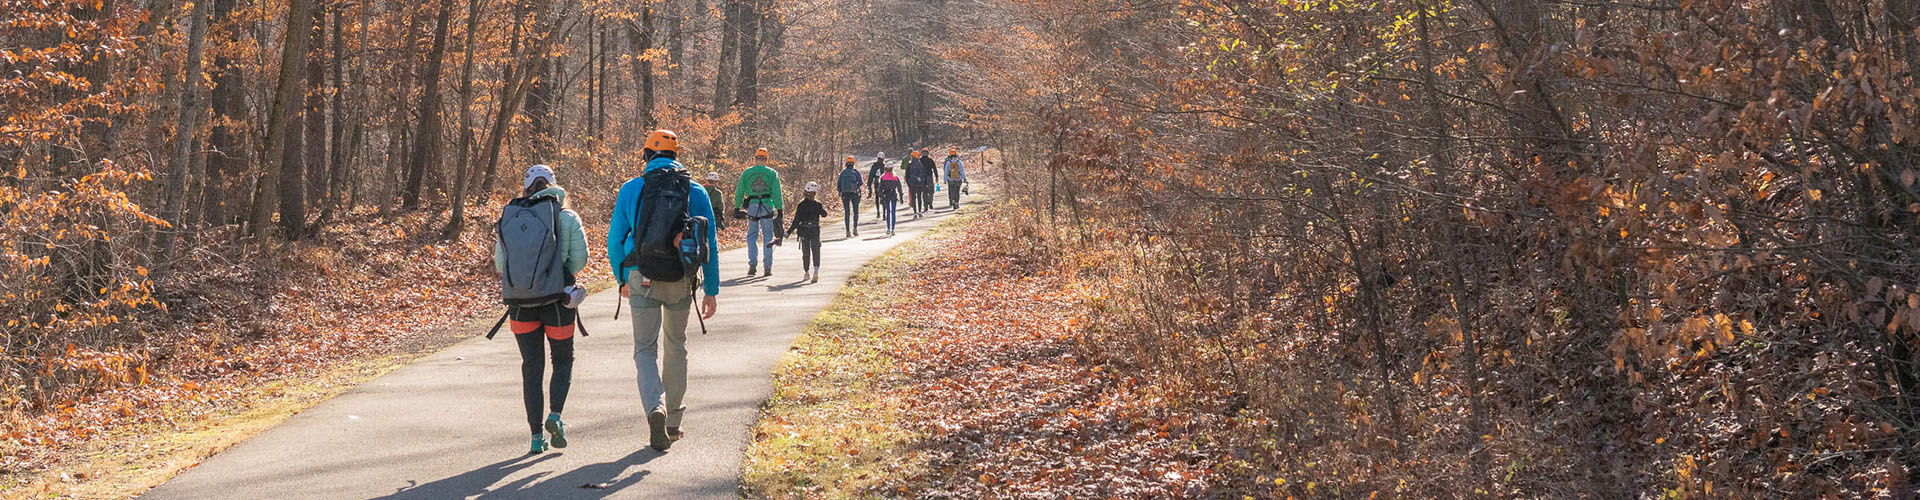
[(662, 245)]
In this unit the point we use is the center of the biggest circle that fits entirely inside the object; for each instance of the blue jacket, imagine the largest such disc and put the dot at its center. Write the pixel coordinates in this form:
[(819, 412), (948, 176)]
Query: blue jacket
[(619, 232)]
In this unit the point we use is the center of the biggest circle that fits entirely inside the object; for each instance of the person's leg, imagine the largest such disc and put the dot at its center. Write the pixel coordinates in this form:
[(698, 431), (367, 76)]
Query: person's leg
[(953, 195), (806, 255), (646, 346), (753, 244), (533, 366), (892, 215), (674, 329), (560, 339), (815, 243), (769, 230)]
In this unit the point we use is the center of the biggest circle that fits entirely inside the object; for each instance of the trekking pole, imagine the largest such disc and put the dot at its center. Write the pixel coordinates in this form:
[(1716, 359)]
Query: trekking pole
[(616, 306)]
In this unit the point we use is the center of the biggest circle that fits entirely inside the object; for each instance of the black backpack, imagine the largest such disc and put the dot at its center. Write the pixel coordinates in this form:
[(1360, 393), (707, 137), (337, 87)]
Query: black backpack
[(662, 249)]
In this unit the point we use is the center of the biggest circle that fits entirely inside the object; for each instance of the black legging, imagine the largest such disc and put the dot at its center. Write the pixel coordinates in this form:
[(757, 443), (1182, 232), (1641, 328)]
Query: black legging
[(810, 249), (532, 369)]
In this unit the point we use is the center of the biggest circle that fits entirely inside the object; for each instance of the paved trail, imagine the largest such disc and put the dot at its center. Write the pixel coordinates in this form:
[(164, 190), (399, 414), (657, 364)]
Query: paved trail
[(451, 425)]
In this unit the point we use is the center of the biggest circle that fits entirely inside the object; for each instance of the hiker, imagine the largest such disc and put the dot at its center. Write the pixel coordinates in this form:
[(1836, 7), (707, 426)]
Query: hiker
[(806, 224), (887, 194), (713, 193), (928, 175), (849, 184), (956, 173), (873, 182), (907, 165), (539, 248), (758, 194), (662, 230)]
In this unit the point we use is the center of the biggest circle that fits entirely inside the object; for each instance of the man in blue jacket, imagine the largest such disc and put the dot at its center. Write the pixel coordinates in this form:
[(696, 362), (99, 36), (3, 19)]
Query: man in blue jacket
[(657, 305)]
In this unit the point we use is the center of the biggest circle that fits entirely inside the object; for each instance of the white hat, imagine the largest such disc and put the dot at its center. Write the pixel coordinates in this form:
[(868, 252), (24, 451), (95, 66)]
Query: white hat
[(715, 175), (882, 154), (536, 172), (813, 187)]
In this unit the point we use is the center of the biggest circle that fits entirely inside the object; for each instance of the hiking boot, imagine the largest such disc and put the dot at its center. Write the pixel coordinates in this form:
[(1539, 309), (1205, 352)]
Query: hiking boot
[(657, 428), (752, 270), (816, 275), (558, 429), (805, 275), (674, 434), (769, 271), (539, 446)]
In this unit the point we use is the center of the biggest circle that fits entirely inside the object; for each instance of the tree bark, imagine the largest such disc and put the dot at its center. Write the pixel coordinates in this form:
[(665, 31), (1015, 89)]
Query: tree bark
[(641, 36), (288, 90), (192, 112), (463, 165), (229, 154), (428, 142), (315, 161), (751, 26), (723, 85)]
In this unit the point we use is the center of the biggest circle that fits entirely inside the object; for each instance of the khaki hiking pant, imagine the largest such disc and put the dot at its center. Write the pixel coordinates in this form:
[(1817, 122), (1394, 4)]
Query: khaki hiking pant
[(658, 308)]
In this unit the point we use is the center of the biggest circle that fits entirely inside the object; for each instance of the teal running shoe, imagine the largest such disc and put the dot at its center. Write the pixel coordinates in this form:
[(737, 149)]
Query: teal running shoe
[(539, 446), (558, 429)]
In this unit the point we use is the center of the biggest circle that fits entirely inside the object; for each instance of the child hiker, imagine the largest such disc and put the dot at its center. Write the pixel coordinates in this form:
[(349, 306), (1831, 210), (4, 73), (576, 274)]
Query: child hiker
[(806, 224), (887, 193)]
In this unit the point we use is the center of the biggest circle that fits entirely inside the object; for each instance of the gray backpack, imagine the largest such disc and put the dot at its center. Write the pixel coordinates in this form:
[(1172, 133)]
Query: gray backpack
[(536, 270)]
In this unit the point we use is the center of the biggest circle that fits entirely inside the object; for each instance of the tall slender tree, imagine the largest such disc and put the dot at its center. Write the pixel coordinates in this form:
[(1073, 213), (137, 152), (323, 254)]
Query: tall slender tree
[(289, 89)]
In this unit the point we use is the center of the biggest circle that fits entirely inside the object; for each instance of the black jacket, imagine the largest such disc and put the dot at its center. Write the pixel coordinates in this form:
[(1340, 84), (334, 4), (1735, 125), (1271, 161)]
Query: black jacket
[(806, 218)]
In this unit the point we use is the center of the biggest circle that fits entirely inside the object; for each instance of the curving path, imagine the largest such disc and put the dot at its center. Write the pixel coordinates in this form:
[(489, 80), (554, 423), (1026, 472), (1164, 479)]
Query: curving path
[(450, 425)]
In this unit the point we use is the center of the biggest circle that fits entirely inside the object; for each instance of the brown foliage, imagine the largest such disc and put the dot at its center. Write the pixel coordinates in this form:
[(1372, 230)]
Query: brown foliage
[(1488, 248)]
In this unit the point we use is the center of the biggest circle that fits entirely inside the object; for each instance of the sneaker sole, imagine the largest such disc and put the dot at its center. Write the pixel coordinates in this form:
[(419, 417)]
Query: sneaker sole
[(657, 425), (559, 434)]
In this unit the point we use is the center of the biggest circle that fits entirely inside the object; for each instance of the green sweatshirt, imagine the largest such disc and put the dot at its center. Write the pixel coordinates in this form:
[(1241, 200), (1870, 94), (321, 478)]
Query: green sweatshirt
[(771, 190), (573, 240)]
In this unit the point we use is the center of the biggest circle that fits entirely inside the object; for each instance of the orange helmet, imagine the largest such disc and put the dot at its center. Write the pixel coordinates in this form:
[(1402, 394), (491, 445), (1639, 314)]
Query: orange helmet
[(851, 159), (663, 140), (916, 154), (761, 153), (953, 150)]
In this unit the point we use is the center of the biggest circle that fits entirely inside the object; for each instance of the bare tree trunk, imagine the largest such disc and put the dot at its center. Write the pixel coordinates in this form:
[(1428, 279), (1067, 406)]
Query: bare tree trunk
[(729, 57), (192, 113), (751, 25), (288, 90), (336, 140), (229, 158), (463, 166), (314, 119), (641, 36), (427, 145)]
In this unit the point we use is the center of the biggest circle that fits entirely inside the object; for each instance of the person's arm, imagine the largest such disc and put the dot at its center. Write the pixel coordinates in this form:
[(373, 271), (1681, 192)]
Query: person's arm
[(618, 228), (499, 255), (574, 239), (779, 200), (699, 205)]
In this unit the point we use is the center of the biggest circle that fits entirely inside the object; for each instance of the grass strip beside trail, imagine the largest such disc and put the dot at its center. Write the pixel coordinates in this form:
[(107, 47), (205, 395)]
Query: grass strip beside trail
[(956, 367), (834, 422)]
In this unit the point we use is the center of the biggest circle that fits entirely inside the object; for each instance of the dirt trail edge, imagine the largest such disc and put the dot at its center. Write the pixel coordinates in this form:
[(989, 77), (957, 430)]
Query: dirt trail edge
[(451, 426)]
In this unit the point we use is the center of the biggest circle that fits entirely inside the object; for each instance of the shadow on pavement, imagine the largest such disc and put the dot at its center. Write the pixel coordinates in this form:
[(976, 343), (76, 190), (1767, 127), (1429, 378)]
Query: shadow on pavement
[(593, 481), (468, 484), (744, 280), (789, 286)]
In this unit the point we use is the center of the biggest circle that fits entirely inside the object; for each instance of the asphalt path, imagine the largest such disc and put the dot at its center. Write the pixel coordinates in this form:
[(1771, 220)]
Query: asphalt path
[(451, 425)]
